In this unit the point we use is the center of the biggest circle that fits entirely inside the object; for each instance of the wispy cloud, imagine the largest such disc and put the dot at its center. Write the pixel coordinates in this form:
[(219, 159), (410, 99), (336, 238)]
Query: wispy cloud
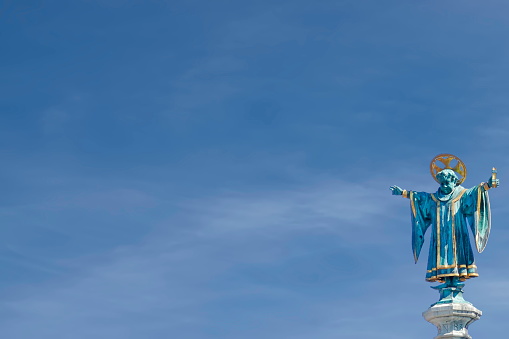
[(173, 278)]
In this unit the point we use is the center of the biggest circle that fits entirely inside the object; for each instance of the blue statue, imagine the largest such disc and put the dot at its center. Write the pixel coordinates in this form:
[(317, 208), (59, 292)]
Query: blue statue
[(449, 211)]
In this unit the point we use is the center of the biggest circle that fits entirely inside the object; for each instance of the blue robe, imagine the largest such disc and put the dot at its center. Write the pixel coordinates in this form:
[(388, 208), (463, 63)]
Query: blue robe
[(450, 252)]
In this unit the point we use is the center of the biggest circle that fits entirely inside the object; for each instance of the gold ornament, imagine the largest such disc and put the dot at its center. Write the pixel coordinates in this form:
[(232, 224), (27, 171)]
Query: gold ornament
[(448, 161)]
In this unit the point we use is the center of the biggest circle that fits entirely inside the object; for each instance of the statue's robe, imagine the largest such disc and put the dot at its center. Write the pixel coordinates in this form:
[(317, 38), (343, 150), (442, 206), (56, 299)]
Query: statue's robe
[(450, 252)]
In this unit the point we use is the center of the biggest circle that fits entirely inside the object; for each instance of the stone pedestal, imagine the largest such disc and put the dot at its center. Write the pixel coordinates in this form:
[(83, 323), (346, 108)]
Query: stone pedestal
[(452, 319)]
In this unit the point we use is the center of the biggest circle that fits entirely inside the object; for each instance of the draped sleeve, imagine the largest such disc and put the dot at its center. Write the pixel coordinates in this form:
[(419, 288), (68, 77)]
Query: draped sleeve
[(420, 204), (476, 207)]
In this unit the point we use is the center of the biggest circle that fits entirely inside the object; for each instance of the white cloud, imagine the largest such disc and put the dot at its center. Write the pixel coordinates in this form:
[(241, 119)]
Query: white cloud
[(167, 280)]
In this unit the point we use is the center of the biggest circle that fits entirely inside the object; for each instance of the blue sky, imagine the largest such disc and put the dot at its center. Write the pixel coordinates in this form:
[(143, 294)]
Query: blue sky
[(216, 170)]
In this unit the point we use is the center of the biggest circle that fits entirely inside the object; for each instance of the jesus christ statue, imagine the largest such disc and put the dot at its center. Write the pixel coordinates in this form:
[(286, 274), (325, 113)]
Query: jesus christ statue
[(448, 212)]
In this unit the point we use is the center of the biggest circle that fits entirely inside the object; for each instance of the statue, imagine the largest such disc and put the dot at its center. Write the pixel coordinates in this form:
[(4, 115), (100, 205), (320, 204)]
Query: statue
[(449, 212)]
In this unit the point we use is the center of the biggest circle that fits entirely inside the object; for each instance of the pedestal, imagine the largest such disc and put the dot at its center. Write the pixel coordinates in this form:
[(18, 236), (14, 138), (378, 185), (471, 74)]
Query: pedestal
[(452, 318)]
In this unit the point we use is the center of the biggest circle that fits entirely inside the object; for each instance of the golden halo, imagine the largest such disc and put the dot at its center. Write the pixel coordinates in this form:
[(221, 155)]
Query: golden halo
[(448, 161)]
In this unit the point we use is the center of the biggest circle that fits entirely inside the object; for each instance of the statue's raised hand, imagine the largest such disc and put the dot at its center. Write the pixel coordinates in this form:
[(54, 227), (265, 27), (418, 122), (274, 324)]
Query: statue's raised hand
[(493, 182), (396, 190)]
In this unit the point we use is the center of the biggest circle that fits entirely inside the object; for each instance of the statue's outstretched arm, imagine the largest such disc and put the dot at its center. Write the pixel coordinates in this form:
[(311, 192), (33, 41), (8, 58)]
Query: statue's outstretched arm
[(396, 190)]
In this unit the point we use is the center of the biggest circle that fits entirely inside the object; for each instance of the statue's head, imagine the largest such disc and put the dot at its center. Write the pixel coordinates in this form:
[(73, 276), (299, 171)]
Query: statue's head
[(448, 180)]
